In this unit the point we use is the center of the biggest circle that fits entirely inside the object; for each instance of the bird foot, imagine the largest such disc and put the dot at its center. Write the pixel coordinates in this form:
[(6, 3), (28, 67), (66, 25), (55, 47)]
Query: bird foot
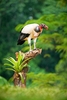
[(35, 48), (30, 50)]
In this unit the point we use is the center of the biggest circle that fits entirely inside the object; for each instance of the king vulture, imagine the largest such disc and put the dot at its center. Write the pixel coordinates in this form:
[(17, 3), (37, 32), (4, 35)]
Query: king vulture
[(29, 32)]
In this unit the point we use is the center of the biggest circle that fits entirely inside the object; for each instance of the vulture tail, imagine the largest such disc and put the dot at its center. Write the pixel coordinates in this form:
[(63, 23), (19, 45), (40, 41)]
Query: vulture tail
[(22, 37)]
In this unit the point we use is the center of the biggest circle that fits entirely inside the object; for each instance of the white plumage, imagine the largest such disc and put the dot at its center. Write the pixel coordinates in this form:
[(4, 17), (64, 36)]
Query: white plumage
[(29, 28)]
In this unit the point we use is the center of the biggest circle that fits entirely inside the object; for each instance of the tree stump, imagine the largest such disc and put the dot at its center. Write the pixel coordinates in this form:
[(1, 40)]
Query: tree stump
[(27, 56)]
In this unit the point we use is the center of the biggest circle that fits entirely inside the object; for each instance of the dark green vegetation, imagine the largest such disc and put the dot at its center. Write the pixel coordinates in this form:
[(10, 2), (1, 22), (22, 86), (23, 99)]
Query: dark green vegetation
[(48, 71)]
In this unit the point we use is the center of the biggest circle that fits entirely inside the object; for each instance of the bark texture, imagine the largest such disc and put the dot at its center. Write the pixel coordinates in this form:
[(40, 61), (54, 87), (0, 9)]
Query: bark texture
[(27, 56)]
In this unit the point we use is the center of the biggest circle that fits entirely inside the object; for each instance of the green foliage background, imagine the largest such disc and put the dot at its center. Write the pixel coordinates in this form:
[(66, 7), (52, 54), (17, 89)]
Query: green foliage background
[(50, 68)]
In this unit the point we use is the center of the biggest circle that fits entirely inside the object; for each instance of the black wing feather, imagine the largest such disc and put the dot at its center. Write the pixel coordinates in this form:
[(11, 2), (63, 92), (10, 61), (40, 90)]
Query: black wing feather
[(22, 37)]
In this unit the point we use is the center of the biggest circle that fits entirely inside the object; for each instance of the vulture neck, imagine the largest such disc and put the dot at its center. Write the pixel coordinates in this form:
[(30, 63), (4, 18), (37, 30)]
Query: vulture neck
[(40, 27)]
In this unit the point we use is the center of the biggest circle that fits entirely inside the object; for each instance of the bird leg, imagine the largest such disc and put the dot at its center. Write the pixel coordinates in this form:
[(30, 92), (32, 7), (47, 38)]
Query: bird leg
[(35, 43), (29, 42)]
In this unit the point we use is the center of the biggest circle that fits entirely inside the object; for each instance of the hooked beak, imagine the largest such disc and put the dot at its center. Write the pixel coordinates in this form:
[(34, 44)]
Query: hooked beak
[(46, 27)]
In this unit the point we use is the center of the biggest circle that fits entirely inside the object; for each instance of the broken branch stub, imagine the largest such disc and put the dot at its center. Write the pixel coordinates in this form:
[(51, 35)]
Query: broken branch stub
[(27, 56)]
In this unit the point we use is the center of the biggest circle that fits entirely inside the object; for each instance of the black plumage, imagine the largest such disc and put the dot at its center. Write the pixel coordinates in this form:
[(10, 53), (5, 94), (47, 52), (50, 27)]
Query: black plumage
[(21, 38)]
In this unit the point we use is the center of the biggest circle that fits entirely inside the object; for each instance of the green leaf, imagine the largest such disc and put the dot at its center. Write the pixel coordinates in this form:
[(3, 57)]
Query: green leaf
[(12, 60), (22, 66), (25, 61), (20, 58), (7, 64), (11, 69), (22, 79)]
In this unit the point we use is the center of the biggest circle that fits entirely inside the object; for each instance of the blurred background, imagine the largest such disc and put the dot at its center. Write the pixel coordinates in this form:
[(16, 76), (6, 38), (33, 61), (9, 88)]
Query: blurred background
[(14, 14)]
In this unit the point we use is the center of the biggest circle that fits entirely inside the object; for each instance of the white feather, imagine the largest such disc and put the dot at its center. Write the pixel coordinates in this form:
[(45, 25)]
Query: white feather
[(29, 28)]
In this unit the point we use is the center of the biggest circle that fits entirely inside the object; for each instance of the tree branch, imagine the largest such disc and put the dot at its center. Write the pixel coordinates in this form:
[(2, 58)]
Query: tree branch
[(30, 54)]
